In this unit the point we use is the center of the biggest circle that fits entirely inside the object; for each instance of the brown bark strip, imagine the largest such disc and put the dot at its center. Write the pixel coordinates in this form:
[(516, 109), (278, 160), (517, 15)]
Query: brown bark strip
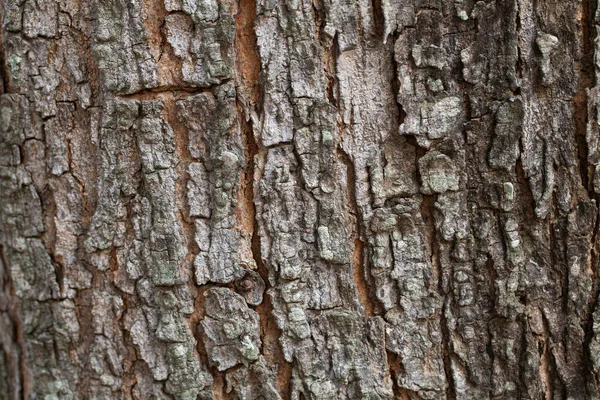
[(169, 65), (247, 60), (359, 258), (247, 69)]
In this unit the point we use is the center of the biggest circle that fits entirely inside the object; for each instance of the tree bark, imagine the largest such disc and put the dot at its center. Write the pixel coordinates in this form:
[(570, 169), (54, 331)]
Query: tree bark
[(295, 199)]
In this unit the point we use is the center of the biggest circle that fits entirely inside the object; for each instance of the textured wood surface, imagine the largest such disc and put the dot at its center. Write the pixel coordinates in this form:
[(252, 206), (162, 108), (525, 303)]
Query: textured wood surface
[(299, 200)]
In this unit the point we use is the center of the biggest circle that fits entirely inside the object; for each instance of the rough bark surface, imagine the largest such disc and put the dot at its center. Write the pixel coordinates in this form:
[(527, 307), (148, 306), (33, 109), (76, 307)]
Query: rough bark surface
[(296, 199)]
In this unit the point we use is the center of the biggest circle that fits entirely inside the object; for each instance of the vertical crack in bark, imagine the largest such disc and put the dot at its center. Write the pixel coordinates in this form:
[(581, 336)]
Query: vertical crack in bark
[(362, 286), (48, 237), (247, 62), (129, 377), (427, 204), (547, 364), (220, 387), (580, 100), (450, 384), (522, 356), (426, 211), (525, 195), (169, 65), (395, 84), (269, 331), (400, 393), (360, 261), (13, 314), (247, 70), (378, 19), (330, 57), (519, 61), (394, 365), (3, 68), (184, 158)]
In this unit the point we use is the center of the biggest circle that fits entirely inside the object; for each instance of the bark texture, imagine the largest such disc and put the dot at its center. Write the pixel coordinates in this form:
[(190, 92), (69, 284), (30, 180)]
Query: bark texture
[(299, 199)]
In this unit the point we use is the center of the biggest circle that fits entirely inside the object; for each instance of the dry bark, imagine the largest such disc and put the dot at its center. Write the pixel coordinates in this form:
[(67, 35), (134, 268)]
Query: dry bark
[(295, 199)]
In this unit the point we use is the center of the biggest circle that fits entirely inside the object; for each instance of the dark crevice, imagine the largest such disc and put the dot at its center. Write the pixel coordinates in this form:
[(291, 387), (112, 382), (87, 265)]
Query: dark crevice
[(519, 62), (394, 366), (446, 353), (247, 63), (269, 331), (219, 388), (362, 279), (21, 370), (586, 75), (49, 236), (174, 90), (331, 57), (526, 200), (3, 71), (378, 18), (164, 44), (584, 170), (4, 75), (547, 362)]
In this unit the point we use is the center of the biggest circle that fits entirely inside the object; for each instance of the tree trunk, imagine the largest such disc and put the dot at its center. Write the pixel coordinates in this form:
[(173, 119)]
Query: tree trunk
[(286, 199)]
